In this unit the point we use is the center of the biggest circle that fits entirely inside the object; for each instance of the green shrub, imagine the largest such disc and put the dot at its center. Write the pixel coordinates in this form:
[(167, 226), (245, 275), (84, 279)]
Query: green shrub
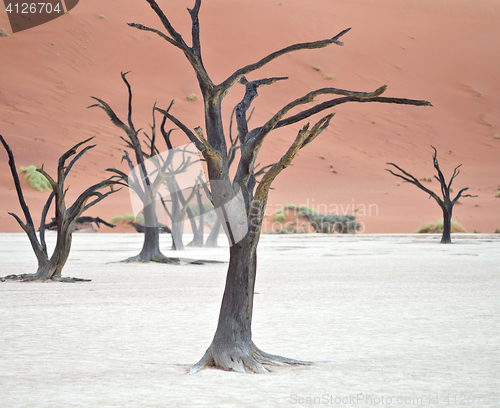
[(124, 219), (437, 228), (116, 219), (279, 216), (330, 223), (35, 179)]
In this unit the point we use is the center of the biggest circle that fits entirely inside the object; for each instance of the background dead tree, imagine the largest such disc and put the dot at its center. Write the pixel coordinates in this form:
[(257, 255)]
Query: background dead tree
[(144, 184), (446, 203), (241, 201), (51, 267)]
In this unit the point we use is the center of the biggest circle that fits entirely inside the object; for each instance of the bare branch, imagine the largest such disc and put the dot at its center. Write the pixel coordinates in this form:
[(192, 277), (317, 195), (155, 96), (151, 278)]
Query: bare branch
[(191, 136), (259, 134), (166, 135), (262, 170), (244, 105), (99, 198), (116, 121), (459, 194), (130, 123), (162, 35), (207, 148), (193, 54), (13, 170), (78, 206), (195, 30), (177, 39), (411, 179), (229, 82), (354, 97), (456, 172), (304, 137), (123, 176)]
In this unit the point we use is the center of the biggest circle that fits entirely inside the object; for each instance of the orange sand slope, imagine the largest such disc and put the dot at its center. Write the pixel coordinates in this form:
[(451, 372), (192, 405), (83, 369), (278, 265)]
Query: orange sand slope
[(442, 52)]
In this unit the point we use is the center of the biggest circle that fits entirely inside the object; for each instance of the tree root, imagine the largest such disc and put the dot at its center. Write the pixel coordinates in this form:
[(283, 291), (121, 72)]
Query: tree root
[(242, 359), (35, 278), (167, 260), (154, 258)]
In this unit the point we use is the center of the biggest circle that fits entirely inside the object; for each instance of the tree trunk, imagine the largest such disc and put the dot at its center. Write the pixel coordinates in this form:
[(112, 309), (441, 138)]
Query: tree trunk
[(151, 247), (50, 269), (199, 230), (232, 347), (446, 238), (211, 241), (177, 221), (60, 255)]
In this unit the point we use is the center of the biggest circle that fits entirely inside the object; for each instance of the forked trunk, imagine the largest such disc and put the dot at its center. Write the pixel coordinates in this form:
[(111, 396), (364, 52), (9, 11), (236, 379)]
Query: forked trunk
[(50, 269)]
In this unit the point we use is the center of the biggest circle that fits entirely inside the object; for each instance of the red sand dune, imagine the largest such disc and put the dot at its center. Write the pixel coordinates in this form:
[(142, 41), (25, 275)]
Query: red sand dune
[(444, 52)]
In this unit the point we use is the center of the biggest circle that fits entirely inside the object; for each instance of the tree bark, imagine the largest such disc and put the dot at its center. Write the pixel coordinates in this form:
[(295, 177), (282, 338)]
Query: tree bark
[(151, 246), (211, 241), (446, 238), (232, 347)]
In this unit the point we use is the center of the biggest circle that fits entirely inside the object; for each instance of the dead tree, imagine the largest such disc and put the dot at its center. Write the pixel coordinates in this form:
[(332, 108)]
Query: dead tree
[(241, 200), (144, 183), (51, 267), (446, 203)]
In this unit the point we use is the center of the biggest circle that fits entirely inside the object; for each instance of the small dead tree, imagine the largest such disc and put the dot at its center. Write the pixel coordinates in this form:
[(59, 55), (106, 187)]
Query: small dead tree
[(446, 203), (240, 201), (51, 267)]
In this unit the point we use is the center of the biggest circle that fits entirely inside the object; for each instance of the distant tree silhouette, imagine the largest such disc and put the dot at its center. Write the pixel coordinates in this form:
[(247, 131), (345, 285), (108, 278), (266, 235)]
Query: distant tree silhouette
[(446, 202)]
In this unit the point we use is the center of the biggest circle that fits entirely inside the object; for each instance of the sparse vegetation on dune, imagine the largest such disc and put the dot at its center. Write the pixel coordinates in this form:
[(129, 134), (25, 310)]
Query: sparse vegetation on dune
[(437, 228), (35, 179), (279, 216)]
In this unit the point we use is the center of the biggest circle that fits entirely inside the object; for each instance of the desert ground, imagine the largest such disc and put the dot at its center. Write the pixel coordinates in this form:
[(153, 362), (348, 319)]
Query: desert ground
[(387, 320), (441, 51)]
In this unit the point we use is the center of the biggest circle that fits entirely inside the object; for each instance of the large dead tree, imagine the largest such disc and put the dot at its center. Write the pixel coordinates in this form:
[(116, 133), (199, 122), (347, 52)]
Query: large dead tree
[(446, 202), (242, 200), (51, 267)]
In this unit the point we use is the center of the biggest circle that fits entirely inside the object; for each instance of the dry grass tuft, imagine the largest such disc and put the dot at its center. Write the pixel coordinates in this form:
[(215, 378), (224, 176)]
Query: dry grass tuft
[(437, 228)]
